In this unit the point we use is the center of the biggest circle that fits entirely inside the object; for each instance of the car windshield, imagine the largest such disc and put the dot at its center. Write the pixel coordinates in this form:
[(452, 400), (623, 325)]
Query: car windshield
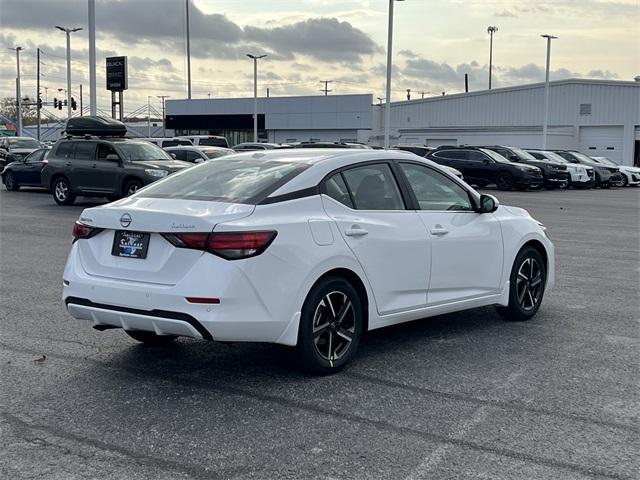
[(555, 157), (233, 181), (142, 151), (522, 154), (606, 161), (496, 156), (23, 143), (584, 158)]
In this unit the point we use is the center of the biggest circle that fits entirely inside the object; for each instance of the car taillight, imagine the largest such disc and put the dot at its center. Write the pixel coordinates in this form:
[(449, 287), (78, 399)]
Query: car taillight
[(81, 230), (228, 245)]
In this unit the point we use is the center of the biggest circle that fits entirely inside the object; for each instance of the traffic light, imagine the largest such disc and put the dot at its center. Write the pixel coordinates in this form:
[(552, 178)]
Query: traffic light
[(39, 103), (73, 103), (59, 104), (55, 103)]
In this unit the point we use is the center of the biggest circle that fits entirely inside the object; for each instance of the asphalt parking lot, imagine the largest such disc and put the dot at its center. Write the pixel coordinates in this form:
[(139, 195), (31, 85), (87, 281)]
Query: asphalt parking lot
[(465, 395)]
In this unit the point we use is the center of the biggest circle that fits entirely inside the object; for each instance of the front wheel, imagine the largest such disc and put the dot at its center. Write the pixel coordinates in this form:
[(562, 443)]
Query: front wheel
[(62, 193), (150, 338), (131, 187), (10, 182), (330, 326), (624, 181), (504, 181), (526, 285)]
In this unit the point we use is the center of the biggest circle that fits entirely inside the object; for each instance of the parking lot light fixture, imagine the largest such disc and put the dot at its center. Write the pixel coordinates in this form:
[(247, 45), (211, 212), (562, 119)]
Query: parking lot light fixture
[(255, 94), (68, 31), (491, 30), (387, 110), (545, 120)]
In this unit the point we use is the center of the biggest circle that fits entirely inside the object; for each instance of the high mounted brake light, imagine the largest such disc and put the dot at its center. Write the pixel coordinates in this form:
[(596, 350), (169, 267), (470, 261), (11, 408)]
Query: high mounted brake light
[(228, 245), (80, 230)]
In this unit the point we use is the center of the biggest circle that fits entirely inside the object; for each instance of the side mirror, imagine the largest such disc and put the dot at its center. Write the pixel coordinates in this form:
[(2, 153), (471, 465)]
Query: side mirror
[(488, 204), (112, 157), (173, 155)]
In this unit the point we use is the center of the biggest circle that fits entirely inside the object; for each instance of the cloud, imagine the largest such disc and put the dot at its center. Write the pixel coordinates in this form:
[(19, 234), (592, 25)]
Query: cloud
[(408, 53), (506, 14)]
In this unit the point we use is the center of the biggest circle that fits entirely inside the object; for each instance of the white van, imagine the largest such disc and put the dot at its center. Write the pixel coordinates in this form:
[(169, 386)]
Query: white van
[(163, 142), (207, 140)]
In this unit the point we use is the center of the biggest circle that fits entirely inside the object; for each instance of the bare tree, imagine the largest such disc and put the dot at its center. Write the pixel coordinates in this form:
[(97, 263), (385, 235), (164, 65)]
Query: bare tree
[(9, 109)]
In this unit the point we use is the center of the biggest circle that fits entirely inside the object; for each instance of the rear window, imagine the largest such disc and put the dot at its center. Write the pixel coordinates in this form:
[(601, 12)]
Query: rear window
[(213, 142), (174, 143), (234, 181)]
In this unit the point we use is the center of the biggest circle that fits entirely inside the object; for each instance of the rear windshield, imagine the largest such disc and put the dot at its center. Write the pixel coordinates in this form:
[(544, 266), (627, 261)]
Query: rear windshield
[(23, 143), (142, 151), (213, 142), (234, 181)]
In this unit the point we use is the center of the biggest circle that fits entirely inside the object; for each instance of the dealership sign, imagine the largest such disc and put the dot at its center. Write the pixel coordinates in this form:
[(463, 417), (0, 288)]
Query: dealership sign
[(117, 74)]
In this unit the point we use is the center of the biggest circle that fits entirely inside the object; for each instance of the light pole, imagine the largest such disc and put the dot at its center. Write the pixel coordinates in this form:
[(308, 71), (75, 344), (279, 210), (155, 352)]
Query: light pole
[(18, 95), (93, 92), (387, 110), (255, 94), (188, 52), (491, 31), (68, 31), (545, 121)]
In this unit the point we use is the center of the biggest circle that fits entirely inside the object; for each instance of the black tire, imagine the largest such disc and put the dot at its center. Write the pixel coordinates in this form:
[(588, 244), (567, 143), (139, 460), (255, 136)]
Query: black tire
[(10, 182), (527, 283), (150, 338), (130, 187), (504, 181), (334, 306), (62, 192), (624, 181)]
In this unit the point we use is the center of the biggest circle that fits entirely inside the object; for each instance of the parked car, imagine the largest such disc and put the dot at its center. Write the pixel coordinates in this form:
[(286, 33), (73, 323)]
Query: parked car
[(251, 146), (450, 170), (329, 145), (420, 150), (580, 176), (104, 167), (482, 167), (168, 142), (628, 175), (197, 154), (206, 140), (26, 171), (605, 176), (15, 148), (555, 174), (307, 249)]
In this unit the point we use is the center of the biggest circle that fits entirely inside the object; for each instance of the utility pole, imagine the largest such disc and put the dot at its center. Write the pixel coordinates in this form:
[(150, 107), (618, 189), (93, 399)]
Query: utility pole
[(38, 101), (93, 93), (188, 53), (18, 95), (68, 31), (545, 121), (255, 94), (466, 83), (387, 111), (267, 92), (491, 31), (81, 100), (164, 126), (326, 86)]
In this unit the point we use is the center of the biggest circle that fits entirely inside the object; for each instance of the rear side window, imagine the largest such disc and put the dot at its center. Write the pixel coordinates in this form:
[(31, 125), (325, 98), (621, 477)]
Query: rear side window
[(193, 156), (476, 156), (336, 188), (373, 187), (451, 154), (234, 181), (85, 150), (65, 150)]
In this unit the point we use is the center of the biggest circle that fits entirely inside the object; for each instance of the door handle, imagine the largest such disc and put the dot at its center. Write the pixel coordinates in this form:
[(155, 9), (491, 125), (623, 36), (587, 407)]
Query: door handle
[(439, 230), (355, 232)]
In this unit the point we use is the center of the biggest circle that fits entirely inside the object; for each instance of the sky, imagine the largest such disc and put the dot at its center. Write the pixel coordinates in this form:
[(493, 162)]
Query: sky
[(435, 43)]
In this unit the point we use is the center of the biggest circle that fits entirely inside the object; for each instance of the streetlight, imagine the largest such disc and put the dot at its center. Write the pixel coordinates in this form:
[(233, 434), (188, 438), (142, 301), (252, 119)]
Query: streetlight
[(491, 31), (545, 121), (18, 96), (68, 31), (387, 111), (255, 94)]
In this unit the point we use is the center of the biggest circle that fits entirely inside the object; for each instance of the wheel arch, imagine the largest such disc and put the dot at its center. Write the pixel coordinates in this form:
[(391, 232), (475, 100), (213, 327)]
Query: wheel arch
[(55, 177), (540, 248)]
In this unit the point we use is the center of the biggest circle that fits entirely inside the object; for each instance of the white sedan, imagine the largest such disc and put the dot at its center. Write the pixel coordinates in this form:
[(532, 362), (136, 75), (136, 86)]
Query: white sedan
[(307, 248), (628, 175)]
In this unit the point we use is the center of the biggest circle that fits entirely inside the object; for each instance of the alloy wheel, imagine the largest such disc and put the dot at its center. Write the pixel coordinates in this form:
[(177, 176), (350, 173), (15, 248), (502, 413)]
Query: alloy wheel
[(9, 181), (132, 189), (61, 190), (334, 324), (529, 284)]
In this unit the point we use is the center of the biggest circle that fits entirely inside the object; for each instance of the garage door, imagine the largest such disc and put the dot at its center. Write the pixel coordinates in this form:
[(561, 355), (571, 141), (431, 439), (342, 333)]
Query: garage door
[(436, 142), (602, 142)]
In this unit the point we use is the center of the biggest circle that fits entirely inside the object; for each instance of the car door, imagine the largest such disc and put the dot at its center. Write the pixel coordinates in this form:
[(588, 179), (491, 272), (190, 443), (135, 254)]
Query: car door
[(30, 170), (481, 166), (389, 241), (84, 166), (455, 159), (106, 175), (466, 247)]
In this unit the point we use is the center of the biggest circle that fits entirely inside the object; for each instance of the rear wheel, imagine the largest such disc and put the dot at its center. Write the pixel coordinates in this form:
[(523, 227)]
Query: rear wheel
[(504, 181), (330, 326), (131, 187), (150, 338), (10, 182), (624, 181), (62, 193), (526, 287)]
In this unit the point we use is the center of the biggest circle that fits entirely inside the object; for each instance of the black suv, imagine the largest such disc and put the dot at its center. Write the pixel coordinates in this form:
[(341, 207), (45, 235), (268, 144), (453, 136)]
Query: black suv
[(555, 174), (104, 167), (482, 167), (605, 175), (420, 150)]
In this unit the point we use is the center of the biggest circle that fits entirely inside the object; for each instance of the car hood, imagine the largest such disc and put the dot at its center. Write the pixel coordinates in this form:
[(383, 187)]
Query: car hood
[(624, 168), (169, 165)]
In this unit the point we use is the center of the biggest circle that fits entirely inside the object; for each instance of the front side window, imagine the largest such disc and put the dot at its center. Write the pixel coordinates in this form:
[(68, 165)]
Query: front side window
[(104, 150), (235, 181), (193, 156), (476, 156), (373, 187), (435, 191), (35, 157), (85, 150)]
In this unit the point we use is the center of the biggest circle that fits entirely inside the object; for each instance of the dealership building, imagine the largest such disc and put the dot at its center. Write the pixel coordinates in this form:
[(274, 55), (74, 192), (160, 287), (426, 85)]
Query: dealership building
[(597, 117)]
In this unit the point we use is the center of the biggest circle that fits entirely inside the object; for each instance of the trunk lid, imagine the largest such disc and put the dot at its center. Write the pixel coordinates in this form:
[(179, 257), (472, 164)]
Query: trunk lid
[(164, 264)]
